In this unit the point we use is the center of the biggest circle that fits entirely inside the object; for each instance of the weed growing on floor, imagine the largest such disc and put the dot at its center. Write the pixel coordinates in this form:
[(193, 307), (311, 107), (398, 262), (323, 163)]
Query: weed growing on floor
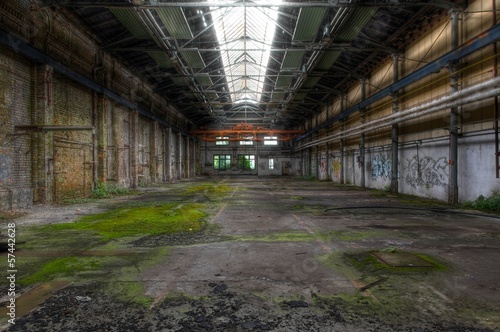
[(104, 190), (147, 220), (62, 267)]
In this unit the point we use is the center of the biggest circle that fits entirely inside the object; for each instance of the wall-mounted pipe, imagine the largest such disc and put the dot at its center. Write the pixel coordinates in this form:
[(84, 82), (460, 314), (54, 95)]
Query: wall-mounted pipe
[(484, 39), (450, 97), (408, 115)]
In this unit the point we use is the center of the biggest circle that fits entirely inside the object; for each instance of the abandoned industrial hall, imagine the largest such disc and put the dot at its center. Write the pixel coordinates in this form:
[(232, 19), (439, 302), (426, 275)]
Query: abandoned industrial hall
[(249, 165)]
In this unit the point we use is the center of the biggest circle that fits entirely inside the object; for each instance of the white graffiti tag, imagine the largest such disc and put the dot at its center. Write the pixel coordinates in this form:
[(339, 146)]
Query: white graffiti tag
[(427, 172)]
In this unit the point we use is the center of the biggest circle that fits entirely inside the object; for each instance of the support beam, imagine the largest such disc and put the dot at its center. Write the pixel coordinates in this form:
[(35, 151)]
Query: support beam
[(453, 181), (188, 158), (180, 155), (362, 143), (469, 47), (153, 157), (134, 149), (170, 149), (225, 4), (43, 140), (395, 129)]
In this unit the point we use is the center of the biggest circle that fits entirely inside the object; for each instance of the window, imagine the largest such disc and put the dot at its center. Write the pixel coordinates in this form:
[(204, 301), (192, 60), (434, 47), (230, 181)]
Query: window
[(270, 140), (222, 140), (271, 163), (247, 140), (246, 161), (222, 162)]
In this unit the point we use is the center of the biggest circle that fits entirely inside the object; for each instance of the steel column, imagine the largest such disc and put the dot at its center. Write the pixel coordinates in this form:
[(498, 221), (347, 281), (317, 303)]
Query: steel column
[(362, 143), (453, 181), (395, 129)]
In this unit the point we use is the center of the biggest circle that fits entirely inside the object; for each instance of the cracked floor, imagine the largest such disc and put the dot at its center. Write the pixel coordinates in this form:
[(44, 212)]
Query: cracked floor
[(277, 254)]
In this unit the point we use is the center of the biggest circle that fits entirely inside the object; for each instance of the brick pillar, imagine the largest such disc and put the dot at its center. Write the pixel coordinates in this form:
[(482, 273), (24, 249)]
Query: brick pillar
[(44, 141), (103, 126)]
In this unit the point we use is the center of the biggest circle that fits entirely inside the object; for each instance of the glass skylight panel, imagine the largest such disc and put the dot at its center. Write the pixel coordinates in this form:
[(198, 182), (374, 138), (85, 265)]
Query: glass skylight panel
[(245, 36)]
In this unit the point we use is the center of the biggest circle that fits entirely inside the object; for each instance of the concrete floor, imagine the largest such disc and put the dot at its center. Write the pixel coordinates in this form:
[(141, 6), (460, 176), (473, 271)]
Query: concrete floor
[(275, 243)]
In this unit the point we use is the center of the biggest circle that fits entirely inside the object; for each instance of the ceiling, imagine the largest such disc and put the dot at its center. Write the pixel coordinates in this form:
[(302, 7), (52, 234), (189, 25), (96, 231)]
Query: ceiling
[(269, 64)]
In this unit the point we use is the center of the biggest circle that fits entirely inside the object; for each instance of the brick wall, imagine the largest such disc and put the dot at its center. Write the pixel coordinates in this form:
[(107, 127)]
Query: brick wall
[(44, 165)]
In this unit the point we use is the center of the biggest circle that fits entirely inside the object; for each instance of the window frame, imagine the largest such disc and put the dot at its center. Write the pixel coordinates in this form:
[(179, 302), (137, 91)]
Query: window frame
[(242, 160), (218, 161)]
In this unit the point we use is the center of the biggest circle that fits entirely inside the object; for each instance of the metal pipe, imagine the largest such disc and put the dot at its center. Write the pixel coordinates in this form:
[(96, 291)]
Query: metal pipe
[(467, 48), (407, 115), (395, 129), (495, 101), (453, 181), (416, 109)]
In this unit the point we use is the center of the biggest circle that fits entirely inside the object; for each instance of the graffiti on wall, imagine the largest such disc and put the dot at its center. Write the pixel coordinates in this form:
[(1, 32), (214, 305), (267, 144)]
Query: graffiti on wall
[(336, 167), (381, 167), (322, 168), (427, 172)]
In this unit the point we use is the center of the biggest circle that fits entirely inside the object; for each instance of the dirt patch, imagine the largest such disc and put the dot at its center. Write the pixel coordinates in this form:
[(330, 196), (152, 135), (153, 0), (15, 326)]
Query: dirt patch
[(81, 308)]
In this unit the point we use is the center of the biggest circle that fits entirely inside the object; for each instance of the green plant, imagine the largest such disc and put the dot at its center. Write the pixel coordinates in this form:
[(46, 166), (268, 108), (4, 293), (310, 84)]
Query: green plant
[(100, 191), (491, 203), (103, 190)]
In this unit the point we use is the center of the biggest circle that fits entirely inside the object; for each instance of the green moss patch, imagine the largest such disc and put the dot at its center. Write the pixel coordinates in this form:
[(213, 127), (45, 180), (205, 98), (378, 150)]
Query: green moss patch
[(278, 237), (124, 222), (209, 189), (60, 268), (346, 235)]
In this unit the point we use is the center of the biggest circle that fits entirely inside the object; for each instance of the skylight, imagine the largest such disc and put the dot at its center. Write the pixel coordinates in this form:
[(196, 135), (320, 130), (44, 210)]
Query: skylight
[(245, 36)]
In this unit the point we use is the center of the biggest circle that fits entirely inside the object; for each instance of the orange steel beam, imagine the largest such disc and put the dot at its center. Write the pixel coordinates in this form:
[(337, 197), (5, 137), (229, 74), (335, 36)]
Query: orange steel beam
[(235, 134)]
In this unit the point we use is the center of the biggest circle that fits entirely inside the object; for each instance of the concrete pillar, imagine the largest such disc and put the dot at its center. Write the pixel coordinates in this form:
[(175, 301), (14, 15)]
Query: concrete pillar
[(44, 141), (362, 141), (168, 159), (153, 165), (453, 182), (395, 129), (134, 148), (188, 157), (180, 155)]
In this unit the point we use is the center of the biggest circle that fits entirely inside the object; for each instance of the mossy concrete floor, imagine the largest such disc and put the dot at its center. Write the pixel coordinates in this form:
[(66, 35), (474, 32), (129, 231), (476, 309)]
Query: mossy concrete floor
[(255, 254)]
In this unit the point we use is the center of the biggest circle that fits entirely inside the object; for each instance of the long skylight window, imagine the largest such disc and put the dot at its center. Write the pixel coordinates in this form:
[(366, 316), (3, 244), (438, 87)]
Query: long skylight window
[(245, 37)]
